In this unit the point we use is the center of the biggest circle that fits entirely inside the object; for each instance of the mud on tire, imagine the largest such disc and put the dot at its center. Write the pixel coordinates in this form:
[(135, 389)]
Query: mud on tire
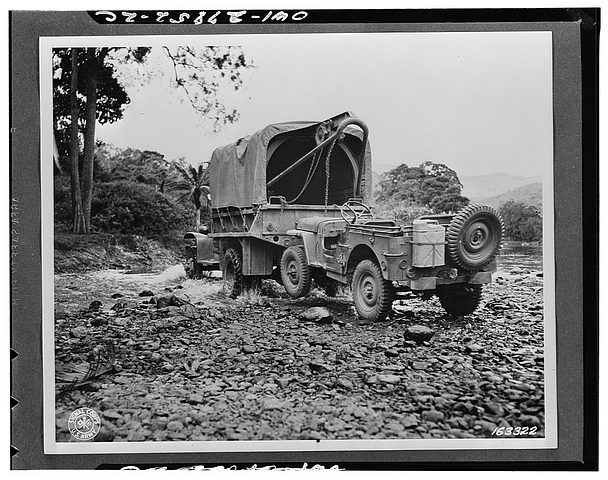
[(474, 236)]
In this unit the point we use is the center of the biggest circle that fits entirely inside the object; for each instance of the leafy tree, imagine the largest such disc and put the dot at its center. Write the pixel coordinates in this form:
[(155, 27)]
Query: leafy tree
[(428, 188), (87, 90), (200, 74), (192, 186), (149, 167), (522, 222)]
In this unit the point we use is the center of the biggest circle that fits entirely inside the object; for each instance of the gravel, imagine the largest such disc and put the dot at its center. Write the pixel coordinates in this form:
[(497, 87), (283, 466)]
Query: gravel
[(196, 365)]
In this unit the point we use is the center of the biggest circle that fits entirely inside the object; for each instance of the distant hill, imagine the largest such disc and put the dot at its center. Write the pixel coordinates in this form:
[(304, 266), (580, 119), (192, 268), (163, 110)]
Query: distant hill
[(494, 189), (493, 185), (531, 194)]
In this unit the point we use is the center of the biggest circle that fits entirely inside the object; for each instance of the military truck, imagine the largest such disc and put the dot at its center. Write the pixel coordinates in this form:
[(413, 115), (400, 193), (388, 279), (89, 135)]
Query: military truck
[(292, 202)]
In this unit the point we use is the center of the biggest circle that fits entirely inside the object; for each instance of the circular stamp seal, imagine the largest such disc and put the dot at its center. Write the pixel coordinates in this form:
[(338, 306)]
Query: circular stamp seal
[(84, 423)]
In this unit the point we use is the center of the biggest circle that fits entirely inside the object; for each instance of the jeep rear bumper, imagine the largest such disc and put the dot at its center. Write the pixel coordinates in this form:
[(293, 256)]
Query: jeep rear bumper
[(431, 283)]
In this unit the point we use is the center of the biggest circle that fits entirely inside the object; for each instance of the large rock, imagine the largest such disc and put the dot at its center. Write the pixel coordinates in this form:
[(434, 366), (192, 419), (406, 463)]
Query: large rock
[(473, 348), (319, 366), (175, 426), (433, 416), (194, 399), (420, 365), (484, 427), (171, 301), (99, 321), (394, 427), (78, 332), (389, 378), (344, 383), (317, 314), (111, 414), (530, 421), (120, 305), (494, 408), (410, 421), (95, 306), (418, 334)]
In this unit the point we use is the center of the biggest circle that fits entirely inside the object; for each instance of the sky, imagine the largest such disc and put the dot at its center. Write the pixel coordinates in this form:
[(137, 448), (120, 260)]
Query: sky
[(480, 103)]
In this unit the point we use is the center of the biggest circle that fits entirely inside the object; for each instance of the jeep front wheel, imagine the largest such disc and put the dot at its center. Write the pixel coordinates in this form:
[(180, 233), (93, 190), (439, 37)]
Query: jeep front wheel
[(295, 272), (372, 294)]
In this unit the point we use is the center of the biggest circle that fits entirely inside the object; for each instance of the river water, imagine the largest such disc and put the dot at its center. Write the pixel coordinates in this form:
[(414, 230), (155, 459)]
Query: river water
[(515, 254)]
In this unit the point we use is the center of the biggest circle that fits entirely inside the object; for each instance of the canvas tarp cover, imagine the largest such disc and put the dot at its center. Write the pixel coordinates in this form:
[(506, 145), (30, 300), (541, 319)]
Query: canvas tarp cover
[(237, 172)]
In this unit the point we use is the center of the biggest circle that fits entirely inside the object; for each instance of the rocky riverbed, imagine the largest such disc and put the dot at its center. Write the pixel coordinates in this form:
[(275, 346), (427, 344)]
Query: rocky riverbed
[(160, 357)]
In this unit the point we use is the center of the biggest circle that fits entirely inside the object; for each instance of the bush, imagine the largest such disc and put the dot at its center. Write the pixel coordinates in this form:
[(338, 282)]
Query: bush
[(128, 207), (522, 222)]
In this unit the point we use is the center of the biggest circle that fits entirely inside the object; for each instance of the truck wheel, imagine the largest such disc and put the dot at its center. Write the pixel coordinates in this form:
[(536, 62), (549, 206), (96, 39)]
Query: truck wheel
[(474, 236), (461, 299), (295, 272), (232, 273), (373, 295)]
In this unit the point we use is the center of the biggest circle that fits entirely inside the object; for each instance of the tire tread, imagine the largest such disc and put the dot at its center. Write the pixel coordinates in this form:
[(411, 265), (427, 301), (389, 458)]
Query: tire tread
[(455, 227)]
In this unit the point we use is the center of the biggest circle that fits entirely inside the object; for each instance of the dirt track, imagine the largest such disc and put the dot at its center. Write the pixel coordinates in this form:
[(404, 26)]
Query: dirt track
[(252, 368)]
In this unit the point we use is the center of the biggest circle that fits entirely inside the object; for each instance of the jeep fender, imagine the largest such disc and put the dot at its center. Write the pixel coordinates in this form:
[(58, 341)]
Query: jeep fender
[(363, 252), (203, 245), (310, 243)]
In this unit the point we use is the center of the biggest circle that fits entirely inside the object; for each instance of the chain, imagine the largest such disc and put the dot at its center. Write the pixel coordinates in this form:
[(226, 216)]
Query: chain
[(311, 171), (283, 203), (331, 148), (313, 168)]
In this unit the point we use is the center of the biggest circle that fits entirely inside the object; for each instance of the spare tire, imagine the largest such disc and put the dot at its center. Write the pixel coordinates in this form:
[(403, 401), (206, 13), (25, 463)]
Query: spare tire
[(474, 236)]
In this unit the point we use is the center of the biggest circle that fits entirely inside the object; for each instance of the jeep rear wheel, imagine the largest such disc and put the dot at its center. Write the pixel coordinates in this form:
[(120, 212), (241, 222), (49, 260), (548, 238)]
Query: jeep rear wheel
[(461, 299), (232, 273), (295, 272), (474, 236), (372, 294)]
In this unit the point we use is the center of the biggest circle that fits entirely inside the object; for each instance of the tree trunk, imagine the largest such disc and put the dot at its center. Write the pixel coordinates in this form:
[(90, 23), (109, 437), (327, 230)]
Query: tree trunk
[(198, 219), (89, 137), (78, 223)]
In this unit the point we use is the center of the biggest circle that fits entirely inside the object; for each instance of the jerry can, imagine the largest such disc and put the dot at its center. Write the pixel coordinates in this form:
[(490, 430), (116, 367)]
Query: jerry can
[(428, 244)]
